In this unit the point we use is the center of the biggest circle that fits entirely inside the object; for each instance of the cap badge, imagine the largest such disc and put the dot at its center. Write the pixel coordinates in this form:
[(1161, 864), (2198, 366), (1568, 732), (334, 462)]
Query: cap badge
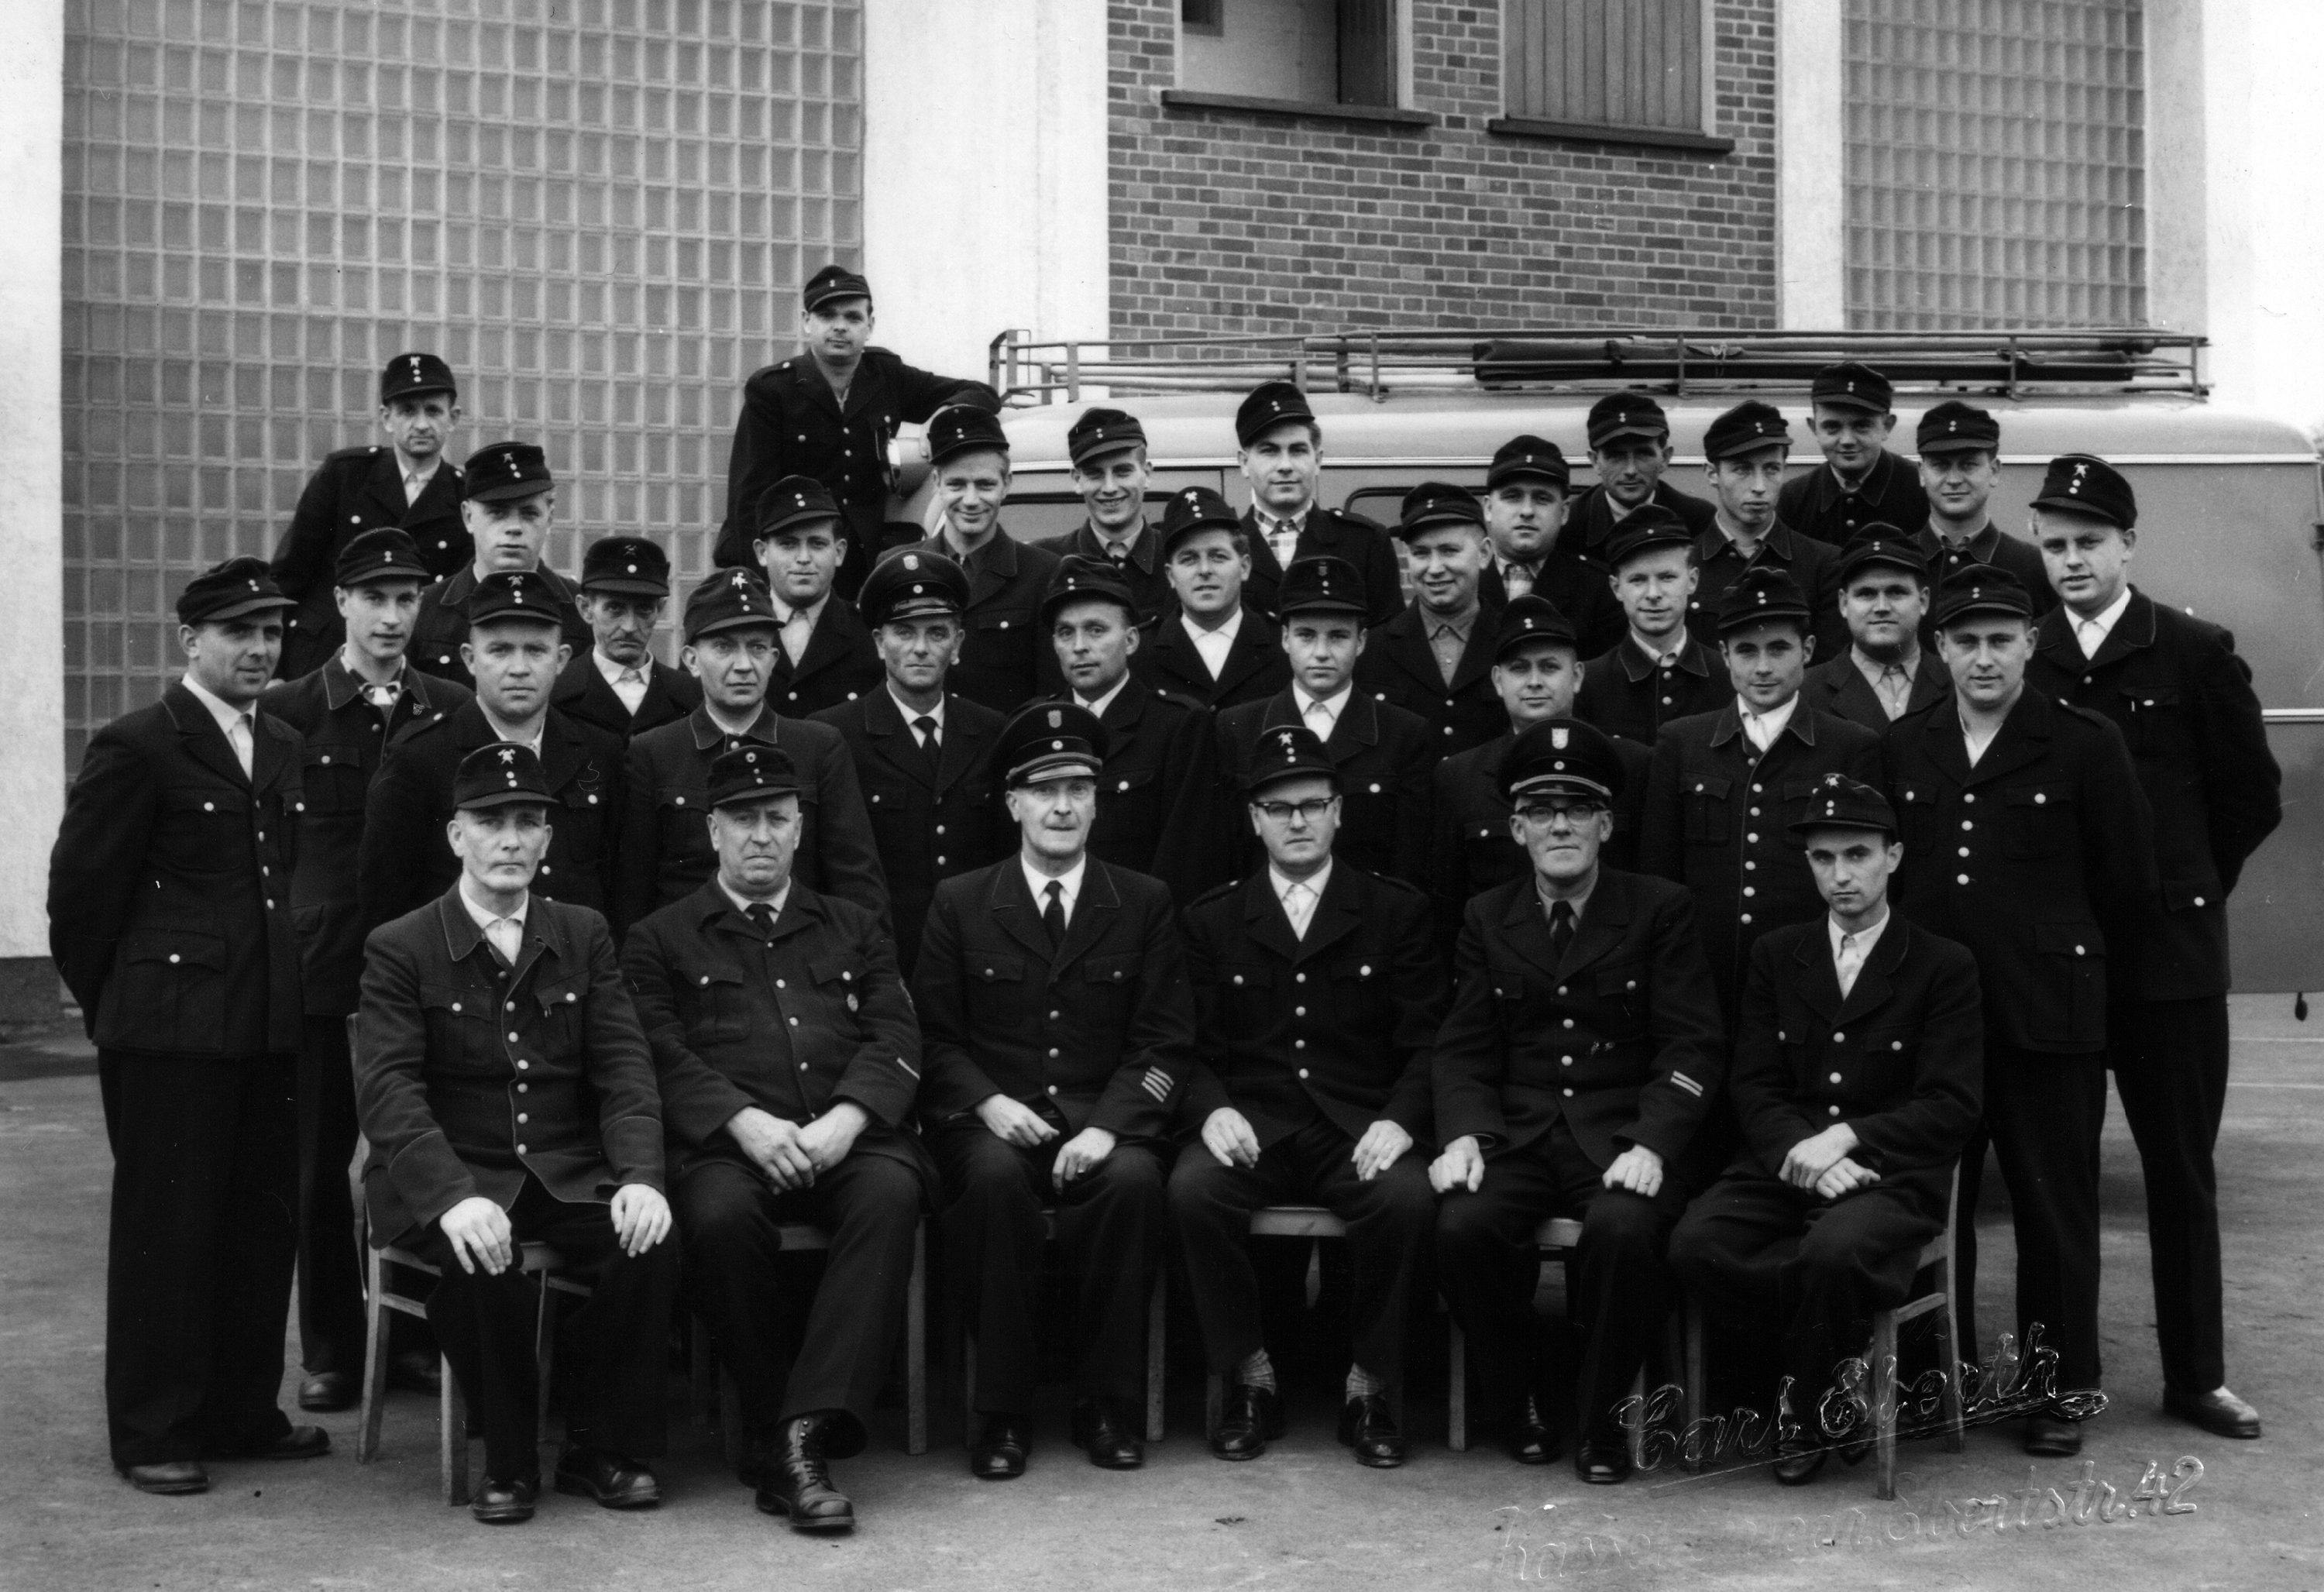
[(1559, 735), (514, 468), (508, 754), (739, 580), (1056, 746), (1057, 719), (912, 561)]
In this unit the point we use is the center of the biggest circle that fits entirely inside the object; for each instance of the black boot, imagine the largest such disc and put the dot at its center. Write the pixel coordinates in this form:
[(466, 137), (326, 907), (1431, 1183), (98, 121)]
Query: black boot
[(794, 1481)]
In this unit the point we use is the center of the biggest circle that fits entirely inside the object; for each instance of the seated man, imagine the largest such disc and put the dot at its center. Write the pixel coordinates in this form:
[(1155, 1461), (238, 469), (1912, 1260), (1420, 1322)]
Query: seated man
[(548, 1130), (1582, 1054), (1849, 1143), (1318, 992), (1058, 1029), (1212, 645), (788, 1059)]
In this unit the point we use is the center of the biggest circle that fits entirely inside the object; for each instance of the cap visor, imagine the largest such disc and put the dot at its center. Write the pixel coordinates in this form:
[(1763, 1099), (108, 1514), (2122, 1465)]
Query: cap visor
[(248, 605), (920, 608), (1325, 605), (1278, 777), (756, 792), (1061, 766), (2082, 506), (1806, 827), (1560, 785), (1848, 401), (1601, 438), (502, 491), (1105, 450), (740, 622), (628, 586), (1960, 445), (506, 798), (1756, 616)]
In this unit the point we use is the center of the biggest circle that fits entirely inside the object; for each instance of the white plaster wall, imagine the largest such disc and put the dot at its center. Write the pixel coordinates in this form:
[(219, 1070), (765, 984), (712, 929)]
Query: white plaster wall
[(1810, 145)]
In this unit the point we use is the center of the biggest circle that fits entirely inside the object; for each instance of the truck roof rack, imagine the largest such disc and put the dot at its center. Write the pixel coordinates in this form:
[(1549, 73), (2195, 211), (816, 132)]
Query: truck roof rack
[(1676, 362)]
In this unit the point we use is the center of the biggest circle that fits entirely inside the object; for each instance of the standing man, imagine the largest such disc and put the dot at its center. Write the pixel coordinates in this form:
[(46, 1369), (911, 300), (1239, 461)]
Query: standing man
[(2027, 838), (486, 1138), (1209, 644), (1318, 993), (1527, 518), (1630, 450), (1280, 450), (510, 504), (2183, 701), (1434, 659), (787, 1056), (922, 753), (1058, 1029), (826, 656), (1961, 464), (1582, 1054), (1659, 672), (1107, 449), (620, 687), (346, 712), (407, 485), (831, 412), (1744, 452), (169, 921), (1886, 673), (1862, 483)]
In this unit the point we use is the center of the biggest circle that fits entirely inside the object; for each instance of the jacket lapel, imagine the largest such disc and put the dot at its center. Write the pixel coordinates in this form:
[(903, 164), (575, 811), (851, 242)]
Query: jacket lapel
[(893, 738), (1873, 980), (1357, 727), (203, 738), (960, 751), (1093, 914), (1011, 905), (1263, 918), (1817, 977), (438, 499), (274, 743), (1930, 684), (1605, 919), (562, 751), (1407, 648), (2024, 736), (1335, 915), (2132, 630)]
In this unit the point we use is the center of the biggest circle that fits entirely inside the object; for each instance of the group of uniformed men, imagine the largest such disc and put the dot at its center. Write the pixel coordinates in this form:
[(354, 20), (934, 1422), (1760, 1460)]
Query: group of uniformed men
[(1723, 873)]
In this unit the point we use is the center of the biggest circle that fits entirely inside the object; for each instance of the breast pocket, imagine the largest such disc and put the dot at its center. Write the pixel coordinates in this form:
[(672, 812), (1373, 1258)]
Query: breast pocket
[(332, 779), (1621, 994), (173, 982), (2155, 721), (1704, 802), (1245, 991), (1130, 806), (681, 825), (1890, 1054), (460, 1026), (710, 1002), (1490, 857), (2037, 819), (202, 831), (1916, 811), (836, 982), (560, 1001), (999, 638), (1109, 981), (2069, 959), (997, 990)]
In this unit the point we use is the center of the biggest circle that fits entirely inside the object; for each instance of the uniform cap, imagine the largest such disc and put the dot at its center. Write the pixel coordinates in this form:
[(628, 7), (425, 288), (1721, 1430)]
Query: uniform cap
[(795, 500), (962, 427), (1289, 752), (1099, 432), (230, 590), (1084, 580), (912, 582), (503, 470), (1436, 502), (1562, 757), (834, 282), (751, 772), (501, 774), (1749, 427), (1644, 530), (1191, 509), (1838, 802), (625, 564), (1626, 414), (1762, 591), (1883, 545), (2086, 483), (1520, 457), (1529, 619), (385, 554), (1049, 740), (408, 374), (1852, 385), (729, 600), (514, 594), (1980, 588), (1954, 427), (1270, 404), (1321, 583)]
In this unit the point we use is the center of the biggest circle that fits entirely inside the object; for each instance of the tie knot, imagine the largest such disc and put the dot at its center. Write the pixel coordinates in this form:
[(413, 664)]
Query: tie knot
[(1056, 891), (1560, 912), (762, 914), (926, 724)]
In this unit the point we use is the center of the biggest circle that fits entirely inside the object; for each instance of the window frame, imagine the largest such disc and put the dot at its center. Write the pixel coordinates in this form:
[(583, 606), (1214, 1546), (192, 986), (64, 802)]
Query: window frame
[(1401, 115), (1700, 140)]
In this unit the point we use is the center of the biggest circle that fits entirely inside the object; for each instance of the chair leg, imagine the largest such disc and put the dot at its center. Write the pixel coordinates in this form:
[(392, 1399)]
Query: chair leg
[(1156, 1312), (1947, 1356), (1696, 1390), (375, 1385), (544, 1352), (1633, 1425), (1883, 1405), (452, 1437), (1456, 1386), (916, 1346)]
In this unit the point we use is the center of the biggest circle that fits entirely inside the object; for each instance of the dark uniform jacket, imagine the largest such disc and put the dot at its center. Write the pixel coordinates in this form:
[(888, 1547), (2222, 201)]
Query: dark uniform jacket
[(1470, 849), (840, 665), (1337, 1024), (793, 424), (1159, 808), (170, 886), (470, 1074), (1626, 694), (345, 746), (1385, 761), (792, 1023), (1590, 523), (1005, 659), (1620, 1037), (2183, 701), (581, 692), (1143, 570), (1901, 1060), (356, 489), (1815, 504), (406, 861), (1256, 668), (1397, 666), (1583, 590), (1840, 688), (664, 849), (2037, 859), (1334, 533), (1717, 817), (1098, 1032), (1814, 565), (442, 624), (1992, 546)]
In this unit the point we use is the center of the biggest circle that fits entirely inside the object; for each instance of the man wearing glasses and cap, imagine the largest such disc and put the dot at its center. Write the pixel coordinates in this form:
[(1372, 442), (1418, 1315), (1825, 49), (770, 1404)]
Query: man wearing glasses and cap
[(620, 686), (1887, 671), (511, 506), (1209, 644), (1862, 483), (1538, 546), (1107, 448), (1280, 448), (826, 656), (1434, 659)]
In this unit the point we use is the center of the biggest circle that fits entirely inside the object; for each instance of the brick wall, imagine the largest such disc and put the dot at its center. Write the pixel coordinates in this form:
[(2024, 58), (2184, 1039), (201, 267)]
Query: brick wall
[(1231, 222)]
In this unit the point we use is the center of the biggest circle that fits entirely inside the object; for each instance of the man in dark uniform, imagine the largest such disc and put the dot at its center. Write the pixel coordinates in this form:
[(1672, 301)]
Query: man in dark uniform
[(620, 686), (1887, 672), (1660, 672), (512, 501), (169, 921), (1208, 643), (830, 412), (1960, 466), (1004, 660), (826, 656), (1280, 449), (1582, 1054), (346, 712), (1724, 785), (1862, 483), (407, 485), (2183, 701), (1434, 659), (788, 1058), (1849, 1143), (1318, 992), (1058, 1030), (2028, 839), (484, 1138), (665, 851), (1383, 753), (514, 655), (1107, 448), (1744, 451), (922, 754), (1630, 450), (1536, 549)]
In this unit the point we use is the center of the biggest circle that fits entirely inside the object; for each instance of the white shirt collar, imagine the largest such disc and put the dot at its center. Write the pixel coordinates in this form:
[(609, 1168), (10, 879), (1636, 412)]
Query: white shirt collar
[(1284, 884), (814, 611), (226, 714), (743, 904), (2092, 632), (911, 713), (1223, 636), (482, 917), (1038, 882), (1105, 702), (1664, 654), (1866, 938), (1579, 903), (1332, 706), (615, 671), (1774, 719), (500, 730)]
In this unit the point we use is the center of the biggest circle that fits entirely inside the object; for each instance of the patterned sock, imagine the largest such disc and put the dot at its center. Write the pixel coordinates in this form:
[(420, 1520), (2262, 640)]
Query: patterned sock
[(1363, 1384), (1257, 1371)]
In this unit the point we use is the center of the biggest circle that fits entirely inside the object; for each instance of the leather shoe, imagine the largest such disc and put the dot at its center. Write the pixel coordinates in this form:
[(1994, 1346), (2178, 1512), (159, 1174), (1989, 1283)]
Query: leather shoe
[(505, 1503), (1111, 1441), (2049, 1438), (1602, 1464), (793, 1480), (610, 1479), (171, 1475), (2218, 1411), (415, 1370), (1797, 1460), (1368, 1425), (326, 1391), (1253, 1418), (300, 1442), (999, 1453), (1527, 1437)]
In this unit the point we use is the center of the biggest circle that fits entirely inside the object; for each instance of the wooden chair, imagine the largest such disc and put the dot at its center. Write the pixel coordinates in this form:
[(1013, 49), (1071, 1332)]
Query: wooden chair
[(1156, 1311)]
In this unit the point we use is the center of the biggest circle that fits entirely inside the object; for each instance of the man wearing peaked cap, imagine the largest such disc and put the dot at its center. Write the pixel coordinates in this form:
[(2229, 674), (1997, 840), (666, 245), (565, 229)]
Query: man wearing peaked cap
[(1858, 1070), (405, 485), (2183, 702), (1888, 670), (620, 686), (1280, 448), (1107, 448), (509, 511), (170, 920), (826, 656), (1861, 482), (1317, 993), (1059, 1030), (1659, 671), (1629, 440), (1961, 464), (1578, 1064), (508, 1096), (789, 1059), (1209, 644), (831, 411), (1527, 518), (1745, 451), (1434, 659)]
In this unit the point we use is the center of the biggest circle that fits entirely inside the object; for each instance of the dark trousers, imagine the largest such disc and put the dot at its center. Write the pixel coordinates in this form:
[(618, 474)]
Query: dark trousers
[(1109, 1231), (1391, 1222), (619, 1339), (330, 1262), (2170, 1061), (1621, 1288), (197, 1274), (2043, 1113), (730, 1219)]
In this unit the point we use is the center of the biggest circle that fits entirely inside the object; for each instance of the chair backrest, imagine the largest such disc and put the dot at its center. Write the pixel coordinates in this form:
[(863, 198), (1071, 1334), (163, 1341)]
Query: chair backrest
[(1941, 1247)]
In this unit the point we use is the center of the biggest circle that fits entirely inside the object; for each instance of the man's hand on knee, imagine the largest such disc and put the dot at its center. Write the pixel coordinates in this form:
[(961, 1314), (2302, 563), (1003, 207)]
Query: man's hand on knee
[(1081, 1156), (1378, 1149), (640, 1217), (1637, 1169), (1460, 1166), (773, 1142), (1013, 1123), (826, 1140), (1228, 1136), (479, 1233)]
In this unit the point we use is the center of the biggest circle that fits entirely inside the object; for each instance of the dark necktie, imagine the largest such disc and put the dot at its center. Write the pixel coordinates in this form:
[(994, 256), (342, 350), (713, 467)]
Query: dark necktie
[(763, 918), (1561, 926), (930, 747), (1119, 552), (1053, 916)]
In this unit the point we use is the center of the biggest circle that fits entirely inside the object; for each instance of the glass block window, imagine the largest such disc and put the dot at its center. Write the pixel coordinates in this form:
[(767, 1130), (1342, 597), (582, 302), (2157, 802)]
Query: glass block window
[(600, 211), (1996, 164)]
